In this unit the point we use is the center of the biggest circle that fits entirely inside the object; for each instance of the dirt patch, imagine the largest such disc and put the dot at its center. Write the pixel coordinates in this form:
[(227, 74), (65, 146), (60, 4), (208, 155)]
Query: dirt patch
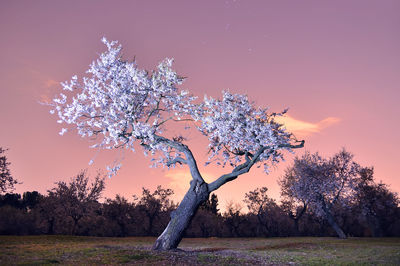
[(209, 249)]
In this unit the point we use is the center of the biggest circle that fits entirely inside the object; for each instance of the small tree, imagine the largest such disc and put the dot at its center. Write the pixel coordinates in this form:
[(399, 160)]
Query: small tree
[(262, 206), (233, 218), (153, 206), (377, 203), (119, 210), (293, 206), (295, 210), (77, 198), (7, 182), (120, 105), (211, 204), (321, 183)]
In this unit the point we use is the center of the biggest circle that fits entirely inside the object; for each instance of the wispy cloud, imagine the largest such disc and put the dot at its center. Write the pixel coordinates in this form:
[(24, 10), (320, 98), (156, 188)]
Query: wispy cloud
[(49, 83), (304, 128)]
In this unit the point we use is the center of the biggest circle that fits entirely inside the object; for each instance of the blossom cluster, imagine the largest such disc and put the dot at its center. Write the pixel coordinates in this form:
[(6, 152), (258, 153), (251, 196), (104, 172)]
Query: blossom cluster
[(118, 104), (235, 127)]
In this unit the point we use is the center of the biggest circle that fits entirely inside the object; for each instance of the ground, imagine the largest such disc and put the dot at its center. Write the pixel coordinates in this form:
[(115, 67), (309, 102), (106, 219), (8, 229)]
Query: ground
[(75, 250)]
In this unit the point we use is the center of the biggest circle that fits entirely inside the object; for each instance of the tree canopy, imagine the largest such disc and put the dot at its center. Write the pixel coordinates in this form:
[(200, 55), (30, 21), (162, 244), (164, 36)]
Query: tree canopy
[(120, 104)]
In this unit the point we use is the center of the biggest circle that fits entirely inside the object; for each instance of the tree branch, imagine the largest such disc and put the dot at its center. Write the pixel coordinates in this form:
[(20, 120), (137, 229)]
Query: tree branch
[(179, 160), (245, 167), (190, 161)]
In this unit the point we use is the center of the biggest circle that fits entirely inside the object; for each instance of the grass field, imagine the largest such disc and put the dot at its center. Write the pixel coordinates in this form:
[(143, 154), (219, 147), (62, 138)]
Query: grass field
[(45, 250)]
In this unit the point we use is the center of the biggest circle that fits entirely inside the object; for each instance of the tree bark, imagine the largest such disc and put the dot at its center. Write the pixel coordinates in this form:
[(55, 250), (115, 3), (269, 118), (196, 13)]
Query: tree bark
[(181, 217)]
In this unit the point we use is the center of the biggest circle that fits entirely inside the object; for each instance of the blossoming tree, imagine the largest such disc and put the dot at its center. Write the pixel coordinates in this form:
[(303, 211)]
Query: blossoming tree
[(321, 183), (122, 106)]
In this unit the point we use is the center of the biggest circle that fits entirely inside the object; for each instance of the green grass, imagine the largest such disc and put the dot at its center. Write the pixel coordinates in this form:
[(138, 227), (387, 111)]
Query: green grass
[(73, 250)]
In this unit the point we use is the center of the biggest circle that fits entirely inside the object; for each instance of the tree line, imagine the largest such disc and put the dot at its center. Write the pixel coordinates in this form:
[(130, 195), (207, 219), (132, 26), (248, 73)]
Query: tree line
[(320, 197)]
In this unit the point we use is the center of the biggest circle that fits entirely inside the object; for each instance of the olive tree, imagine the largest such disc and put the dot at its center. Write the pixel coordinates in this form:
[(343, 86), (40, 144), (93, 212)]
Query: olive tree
[(122, 106), (321, 183)]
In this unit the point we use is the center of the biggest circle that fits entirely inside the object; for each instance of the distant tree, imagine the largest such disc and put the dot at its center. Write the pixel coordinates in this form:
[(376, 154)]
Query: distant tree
[(11, 199), (377, 203), (120, 105), (77, 199), (294, 207), (7, 182), (295, 210), (119, 210), (30, 199), (50, 211), (262, 206), (233, 218), (207, 220), (321, 183), (211, 204), (153, 206)]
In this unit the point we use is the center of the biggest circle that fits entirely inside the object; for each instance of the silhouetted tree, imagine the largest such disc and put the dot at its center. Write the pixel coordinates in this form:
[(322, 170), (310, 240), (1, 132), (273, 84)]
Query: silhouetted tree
[(263, 207), (30, 199), (153, 207), (295, 211), (377, 203), (211, 204), (7, 182), (77, 199), (233, 218), (207, 220), (119, 210), (11, 199), (50, 211)]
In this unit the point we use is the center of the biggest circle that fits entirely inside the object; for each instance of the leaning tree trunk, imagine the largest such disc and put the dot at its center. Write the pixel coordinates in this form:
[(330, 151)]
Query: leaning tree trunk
[(335, 226), (181, 217)]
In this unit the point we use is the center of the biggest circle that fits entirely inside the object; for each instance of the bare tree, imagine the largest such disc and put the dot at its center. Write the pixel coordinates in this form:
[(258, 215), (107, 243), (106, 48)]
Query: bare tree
[(120, 105)]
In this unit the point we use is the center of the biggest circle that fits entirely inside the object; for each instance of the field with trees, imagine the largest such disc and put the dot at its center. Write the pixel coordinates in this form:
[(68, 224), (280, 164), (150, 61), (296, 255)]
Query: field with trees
[(119, 106), (73, 250)]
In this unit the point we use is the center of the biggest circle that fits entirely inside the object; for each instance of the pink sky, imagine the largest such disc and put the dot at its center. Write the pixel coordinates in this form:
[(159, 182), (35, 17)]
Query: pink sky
[(335, 64)]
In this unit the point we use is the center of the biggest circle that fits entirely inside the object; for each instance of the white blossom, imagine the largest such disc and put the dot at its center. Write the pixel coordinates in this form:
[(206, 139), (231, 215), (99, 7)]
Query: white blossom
[(120, 105), (321, 182)]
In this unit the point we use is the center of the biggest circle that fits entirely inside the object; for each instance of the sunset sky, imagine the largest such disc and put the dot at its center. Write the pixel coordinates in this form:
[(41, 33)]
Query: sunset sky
[(334, 64)]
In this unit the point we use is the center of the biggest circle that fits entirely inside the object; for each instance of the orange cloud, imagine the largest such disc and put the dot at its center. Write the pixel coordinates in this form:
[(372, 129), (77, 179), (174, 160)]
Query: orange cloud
[(179, 179), (51, 83), (304, 128)]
